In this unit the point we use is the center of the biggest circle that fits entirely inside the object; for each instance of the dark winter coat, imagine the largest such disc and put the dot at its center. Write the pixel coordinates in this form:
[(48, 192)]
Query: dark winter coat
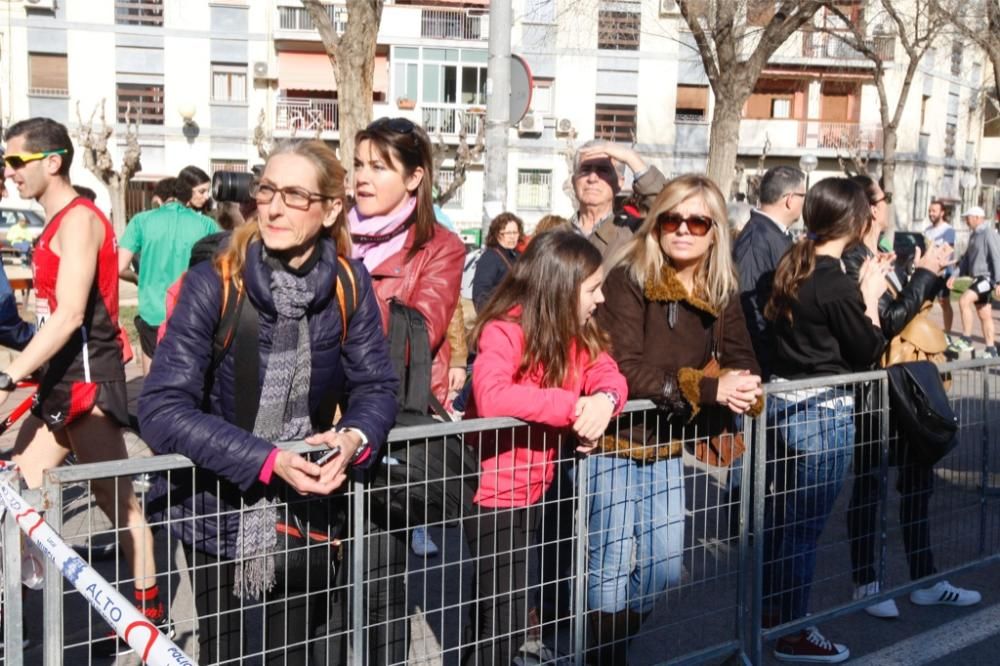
[(493, 266), (757, 251), (176, 416), (663, 362)]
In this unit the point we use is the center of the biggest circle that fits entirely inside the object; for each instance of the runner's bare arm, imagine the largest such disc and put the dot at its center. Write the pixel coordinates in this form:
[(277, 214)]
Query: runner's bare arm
[(77, 243), (125, 271)]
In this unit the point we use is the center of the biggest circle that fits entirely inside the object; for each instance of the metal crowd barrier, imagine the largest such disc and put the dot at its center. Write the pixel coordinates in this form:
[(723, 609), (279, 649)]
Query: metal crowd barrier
[(682, 584)]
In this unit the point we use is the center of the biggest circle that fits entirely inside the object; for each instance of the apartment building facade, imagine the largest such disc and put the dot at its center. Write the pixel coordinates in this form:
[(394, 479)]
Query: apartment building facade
[(202, 77)]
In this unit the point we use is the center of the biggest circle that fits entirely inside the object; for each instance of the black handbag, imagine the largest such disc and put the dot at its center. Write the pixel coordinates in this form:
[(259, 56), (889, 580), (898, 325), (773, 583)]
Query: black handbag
[(920, 411)]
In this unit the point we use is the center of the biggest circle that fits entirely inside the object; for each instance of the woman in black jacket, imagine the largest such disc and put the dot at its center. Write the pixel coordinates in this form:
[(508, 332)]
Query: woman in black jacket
[(899, 304), (506, 231), (312, 354)]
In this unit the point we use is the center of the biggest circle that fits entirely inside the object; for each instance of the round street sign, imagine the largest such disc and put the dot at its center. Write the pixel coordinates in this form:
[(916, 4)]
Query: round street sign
[(521, 85)]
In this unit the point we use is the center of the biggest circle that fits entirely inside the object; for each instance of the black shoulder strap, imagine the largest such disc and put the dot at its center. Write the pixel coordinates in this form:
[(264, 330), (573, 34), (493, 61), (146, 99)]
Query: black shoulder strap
[(246, 367)]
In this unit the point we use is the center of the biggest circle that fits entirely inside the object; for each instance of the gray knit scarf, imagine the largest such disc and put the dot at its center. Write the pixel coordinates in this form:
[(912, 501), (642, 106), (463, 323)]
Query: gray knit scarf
[(283, 415)]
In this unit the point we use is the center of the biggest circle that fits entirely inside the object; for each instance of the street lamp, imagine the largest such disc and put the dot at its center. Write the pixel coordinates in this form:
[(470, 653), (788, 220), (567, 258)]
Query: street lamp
[(186, 112), (808, 163)]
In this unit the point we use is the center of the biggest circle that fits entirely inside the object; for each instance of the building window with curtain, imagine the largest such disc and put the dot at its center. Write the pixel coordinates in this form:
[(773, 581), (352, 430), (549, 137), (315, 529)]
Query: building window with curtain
[(139, 12), (47, 75), (614, 122), (229, 83), (141, 102), (692, 104)]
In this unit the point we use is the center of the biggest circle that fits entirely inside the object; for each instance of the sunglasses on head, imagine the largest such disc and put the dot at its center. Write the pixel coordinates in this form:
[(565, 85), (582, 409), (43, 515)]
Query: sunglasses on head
[(697, 225), (18, 160), (397, 125)]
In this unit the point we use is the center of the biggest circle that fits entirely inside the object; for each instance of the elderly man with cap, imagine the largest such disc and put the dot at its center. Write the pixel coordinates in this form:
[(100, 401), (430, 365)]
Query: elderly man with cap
[(598, 176), (981, 261)]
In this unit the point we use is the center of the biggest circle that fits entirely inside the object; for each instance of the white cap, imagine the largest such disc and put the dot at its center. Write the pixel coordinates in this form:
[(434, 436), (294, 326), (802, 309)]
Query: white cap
[(974, 211)]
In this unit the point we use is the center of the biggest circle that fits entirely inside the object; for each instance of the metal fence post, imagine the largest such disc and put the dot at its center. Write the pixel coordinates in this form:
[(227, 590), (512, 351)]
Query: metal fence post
[(13, 607), (883, 477), (582, 546), (745, 559), (357, 579), (984, 487), (52, 606), (756, 533)]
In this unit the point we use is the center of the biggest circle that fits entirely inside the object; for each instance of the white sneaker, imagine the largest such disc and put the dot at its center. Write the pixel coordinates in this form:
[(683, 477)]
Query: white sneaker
[(421, 543), (884, 609), (945, 593)]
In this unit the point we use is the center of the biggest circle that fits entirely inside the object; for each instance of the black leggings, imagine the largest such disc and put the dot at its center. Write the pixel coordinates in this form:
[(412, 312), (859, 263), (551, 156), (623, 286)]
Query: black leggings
[(503, 544), (915, 485)]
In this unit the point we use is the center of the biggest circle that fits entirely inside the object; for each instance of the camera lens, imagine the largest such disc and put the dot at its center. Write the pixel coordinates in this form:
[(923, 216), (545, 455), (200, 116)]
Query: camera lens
[(231, 186)]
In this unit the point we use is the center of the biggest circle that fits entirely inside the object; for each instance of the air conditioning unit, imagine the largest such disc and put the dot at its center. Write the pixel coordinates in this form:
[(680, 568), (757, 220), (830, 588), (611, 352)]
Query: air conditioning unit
[(531, 124), (669, 8), (564, 126), (40, 4), (262, 70)]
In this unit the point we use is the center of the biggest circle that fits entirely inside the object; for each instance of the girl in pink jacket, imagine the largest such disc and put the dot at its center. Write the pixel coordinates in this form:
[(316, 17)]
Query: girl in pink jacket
[(541, 359)]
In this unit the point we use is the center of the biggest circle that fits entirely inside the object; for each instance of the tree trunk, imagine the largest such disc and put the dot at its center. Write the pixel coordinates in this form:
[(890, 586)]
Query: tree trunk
[(119, 212), (889, 140), (724, 141), (354, 65)]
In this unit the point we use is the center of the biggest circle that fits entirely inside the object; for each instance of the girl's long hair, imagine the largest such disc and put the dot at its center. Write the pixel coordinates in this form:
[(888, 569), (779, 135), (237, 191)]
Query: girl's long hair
[(409, 150), (834, 208), (715, 279), (545, 284), (330, 182)]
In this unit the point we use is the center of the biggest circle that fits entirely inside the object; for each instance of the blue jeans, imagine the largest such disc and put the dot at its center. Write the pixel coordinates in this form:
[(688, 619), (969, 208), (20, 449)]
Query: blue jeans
[(635, 509), (819, 438)]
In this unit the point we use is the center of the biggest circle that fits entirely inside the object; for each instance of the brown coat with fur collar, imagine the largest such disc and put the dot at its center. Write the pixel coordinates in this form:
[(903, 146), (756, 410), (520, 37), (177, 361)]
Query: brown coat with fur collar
[(649, 351)]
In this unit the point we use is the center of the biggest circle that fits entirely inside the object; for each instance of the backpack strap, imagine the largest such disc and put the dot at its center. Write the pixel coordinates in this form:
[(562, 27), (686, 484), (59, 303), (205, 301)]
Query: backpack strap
[(246, 366), (347, 299)]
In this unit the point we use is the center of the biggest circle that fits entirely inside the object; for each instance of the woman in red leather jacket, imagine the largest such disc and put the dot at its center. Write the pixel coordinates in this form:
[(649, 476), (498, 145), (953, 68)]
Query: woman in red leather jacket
[(414, 259), (409, 255)]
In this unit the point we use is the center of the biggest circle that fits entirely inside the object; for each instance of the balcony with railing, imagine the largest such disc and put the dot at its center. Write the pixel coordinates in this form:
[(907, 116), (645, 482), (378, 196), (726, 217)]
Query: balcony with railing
[(452, 24), (298, 19), (307, 116), (794, 134), (815, 47), (449, 119)]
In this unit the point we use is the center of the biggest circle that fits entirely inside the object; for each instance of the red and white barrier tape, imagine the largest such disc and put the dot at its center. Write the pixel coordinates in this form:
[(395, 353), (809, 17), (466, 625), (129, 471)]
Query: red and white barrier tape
[(130, 624)]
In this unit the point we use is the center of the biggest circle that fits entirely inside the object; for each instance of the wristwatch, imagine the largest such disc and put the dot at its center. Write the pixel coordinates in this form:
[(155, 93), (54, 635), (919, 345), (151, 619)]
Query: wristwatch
[(6, 383)]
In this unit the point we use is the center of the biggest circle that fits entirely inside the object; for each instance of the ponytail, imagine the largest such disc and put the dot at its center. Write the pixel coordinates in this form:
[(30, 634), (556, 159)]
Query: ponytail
[(793, 269)]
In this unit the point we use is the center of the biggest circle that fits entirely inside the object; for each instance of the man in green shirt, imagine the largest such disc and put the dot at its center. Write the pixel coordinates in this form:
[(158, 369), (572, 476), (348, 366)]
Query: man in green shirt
[(164, 237)]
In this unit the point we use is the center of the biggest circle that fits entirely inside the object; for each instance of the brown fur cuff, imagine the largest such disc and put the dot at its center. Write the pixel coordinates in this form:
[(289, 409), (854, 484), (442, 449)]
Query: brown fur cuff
[(689, 380)]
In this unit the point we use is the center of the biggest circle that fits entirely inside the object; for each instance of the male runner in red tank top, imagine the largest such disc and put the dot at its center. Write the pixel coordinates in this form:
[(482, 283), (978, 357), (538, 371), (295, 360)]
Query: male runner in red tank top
[(81, 398)]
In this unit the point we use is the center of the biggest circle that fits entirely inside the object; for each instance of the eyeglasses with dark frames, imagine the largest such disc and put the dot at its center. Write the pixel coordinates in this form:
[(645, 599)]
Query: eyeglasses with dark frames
[(886, 197), (293, 197), (697, 225)]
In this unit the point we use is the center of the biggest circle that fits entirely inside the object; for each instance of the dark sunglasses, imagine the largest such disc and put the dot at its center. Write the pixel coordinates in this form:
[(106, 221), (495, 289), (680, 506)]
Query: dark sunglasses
[(886, 197), (697, 225), (397, 125)]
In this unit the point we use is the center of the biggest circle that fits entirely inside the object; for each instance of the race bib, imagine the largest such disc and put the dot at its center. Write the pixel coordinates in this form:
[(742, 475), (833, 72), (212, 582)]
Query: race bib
[(42, 311)]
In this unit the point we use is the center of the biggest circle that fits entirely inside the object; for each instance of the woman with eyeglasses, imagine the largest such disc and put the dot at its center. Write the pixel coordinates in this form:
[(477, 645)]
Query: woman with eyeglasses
[(413, 259), (670, 304), (825, 323), (311, 354), (506, 231)]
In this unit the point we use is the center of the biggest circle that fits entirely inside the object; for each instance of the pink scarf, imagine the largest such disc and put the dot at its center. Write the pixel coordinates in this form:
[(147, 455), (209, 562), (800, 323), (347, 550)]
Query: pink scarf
[(373, 254)]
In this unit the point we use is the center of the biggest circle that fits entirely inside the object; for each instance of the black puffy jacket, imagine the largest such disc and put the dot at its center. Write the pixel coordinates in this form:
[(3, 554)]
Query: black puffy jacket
[(897, 306), (756, 252), (229, 459)]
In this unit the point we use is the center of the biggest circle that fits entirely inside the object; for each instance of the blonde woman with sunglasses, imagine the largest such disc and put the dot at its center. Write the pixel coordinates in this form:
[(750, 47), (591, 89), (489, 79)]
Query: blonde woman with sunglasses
[(670, 303)]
